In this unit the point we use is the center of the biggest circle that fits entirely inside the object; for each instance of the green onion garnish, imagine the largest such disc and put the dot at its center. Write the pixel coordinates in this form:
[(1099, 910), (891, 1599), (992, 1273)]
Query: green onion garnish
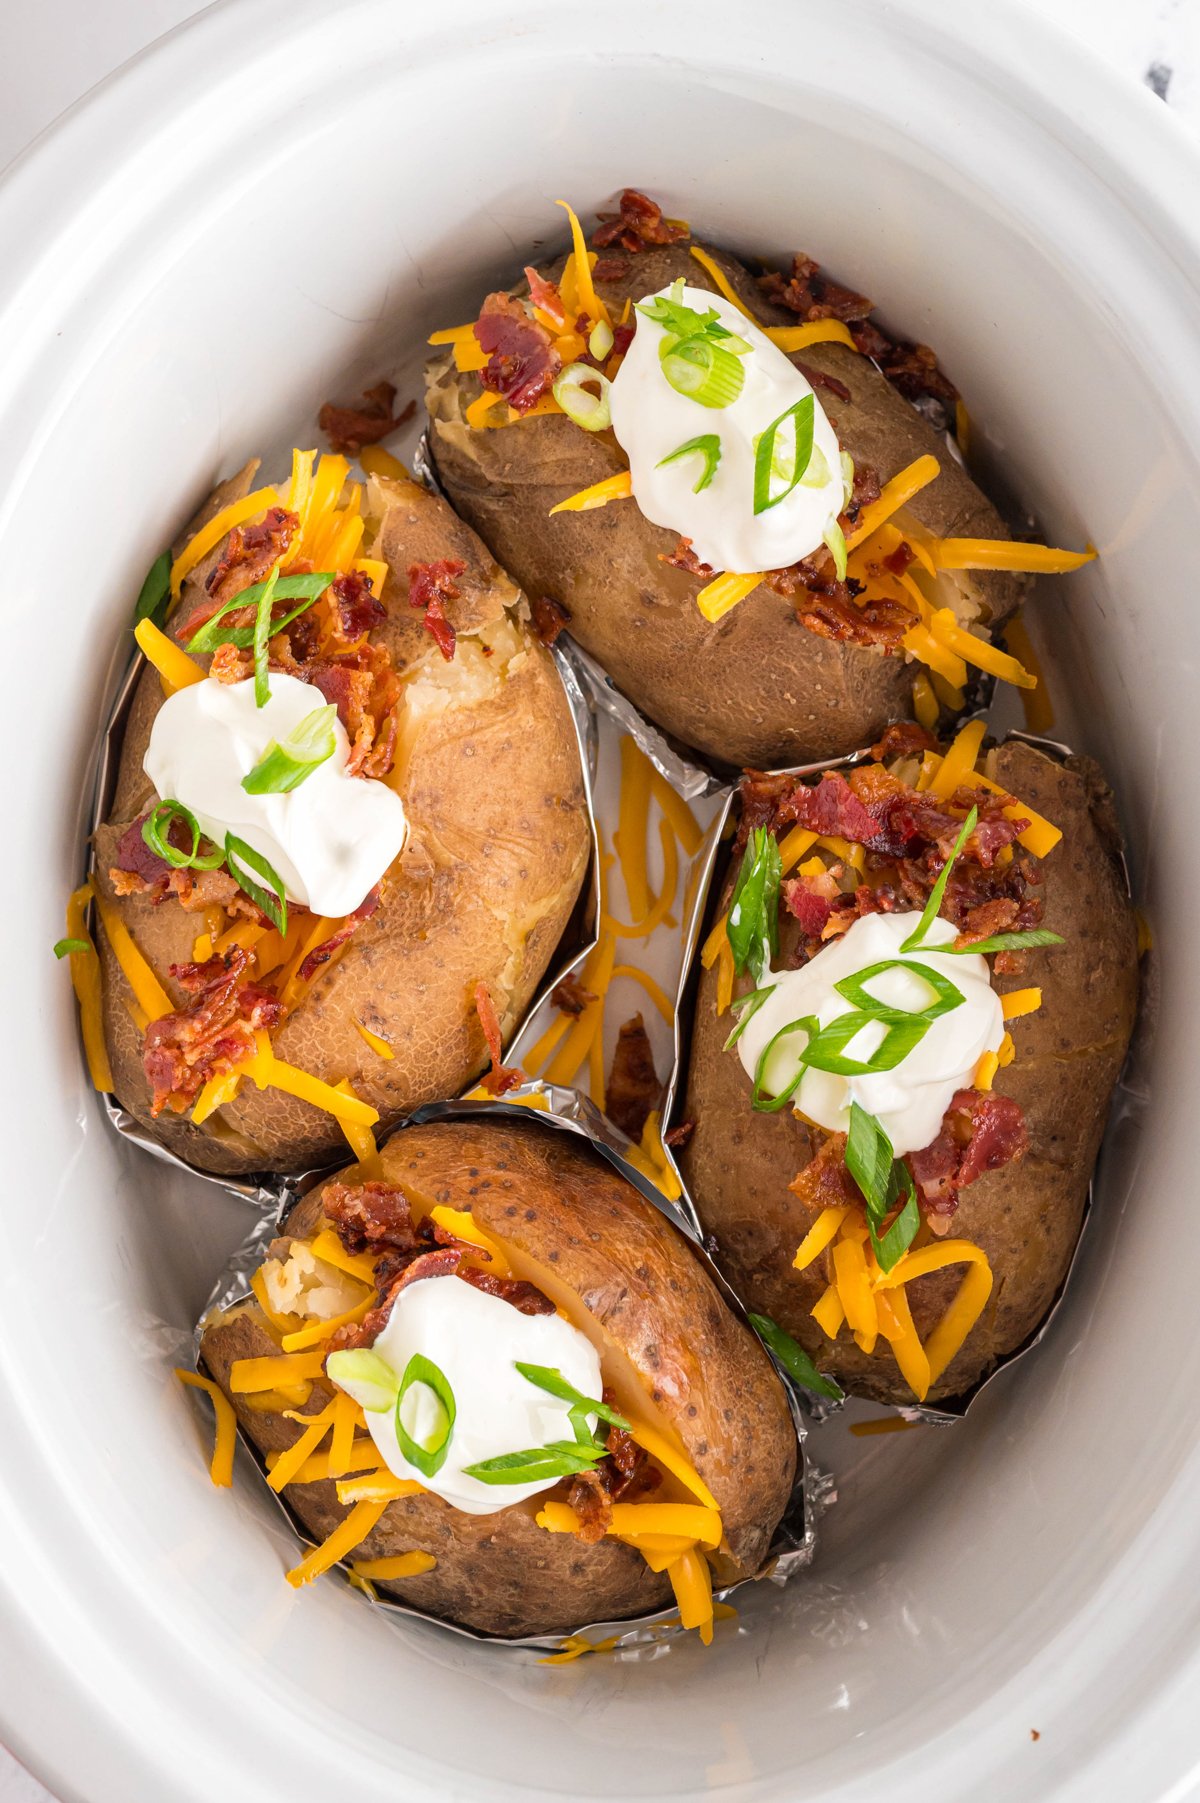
[(793, 1357), (746, 1007), (156, 829), (262, 632), (681, 321), (753, 923), (600, 340), (274, 904), (548, 1378), (709, 447), (1009, 942), (283, 767), (538, 1464), (151, 603), (429, 1458), (309, 588), (801, 414), (939, 888), (573, 392), (703, 371), (835, 539), (760, 1100), (882, 1179), (63, 946), (366, 1377), (854, 989)]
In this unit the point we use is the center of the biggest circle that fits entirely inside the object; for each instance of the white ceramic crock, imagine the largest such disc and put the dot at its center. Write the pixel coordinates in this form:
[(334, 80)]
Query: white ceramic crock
[(280, 198)]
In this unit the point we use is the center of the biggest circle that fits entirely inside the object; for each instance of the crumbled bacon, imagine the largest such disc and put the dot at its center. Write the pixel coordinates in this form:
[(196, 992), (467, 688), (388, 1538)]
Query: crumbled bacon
[(549, 618), (212, 1032), (633, 1086), (638, 225), (878, 621), (592, 1505), (546, 297), (522, 361), (501, 1076), (610, 269), (832, 807), (825, 1182), (684, 558), (322, 953), (678, 1137), (806, 292), (622, 336), (431, 585), (367, 1216), (348, 429), (816, 378), (356, 609), (249, 554), (362, 684), (912, 369), (904, 739), (980, 1132), (570, 997), (524, 1296), (806, 906)]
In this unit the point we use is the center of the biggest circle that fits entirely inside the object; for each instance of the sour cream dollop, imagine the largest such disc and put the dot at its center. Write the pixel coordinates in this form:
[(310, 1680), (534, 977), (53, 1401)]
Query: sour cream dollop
[(330, 840), (910, 1100), (651, 420), (476, 1340)]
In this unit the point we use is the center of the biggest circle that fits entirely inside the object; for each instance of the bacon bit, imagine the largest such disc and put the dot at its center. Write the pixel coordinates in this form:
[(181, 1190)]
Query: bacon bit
[(139, 871), (549, 618), (356, 609), (250, 552), (804, 291), (816, 378), (904, 739), (522, 361), (637, 226), (832, 807), (633, 1085), (546, 297), (825, 1182), (362, 684), (610, 269), (209, 1035), (525, 1297), (366, 1216), (431, 585), (348, 429), (678, 1137), (981, 1132), (622, 335), (912, 369), (998, 916), (875, 622), (592, 1505), (501, 1076), (324, 952), (810, 909), (1010, 964), (229, 664), (684, 558), (570, 997)]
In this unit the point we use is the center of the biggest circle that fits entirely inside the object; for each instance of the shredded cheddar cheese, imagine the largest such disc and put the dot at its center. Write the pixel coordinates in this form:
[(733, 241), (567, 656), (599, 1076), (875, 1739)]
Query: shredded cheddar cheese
[(210, 536), (894, 495), (85, 977), (345, 1537), (818, 331), (613, 488), (377, 1043), (398, 1565), (1020, 1001), (152, 998), (176, 669), (1007, 554), (724, 285), (221, 1466)]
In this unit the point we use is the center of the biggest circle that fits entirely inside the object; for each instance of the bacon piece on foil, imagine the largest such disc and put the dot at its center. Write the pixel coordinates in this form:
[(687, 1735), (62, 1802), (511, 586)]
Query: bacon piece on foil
[(348, 429), (501, 1076), (633, 1090)]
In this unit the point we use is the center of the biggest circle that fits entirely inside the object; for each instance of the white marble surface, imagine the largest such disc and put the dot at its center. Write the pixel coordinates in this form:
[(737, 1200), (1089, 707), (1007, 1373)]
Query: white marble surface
[(54, 51)]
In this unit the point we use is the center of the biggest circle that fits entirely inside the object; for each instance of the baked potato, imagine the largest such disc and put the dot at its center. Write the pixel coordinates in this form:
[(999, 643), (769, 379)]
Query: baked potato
[(560, 1243), (806, 665), (444, 698), (1001, 1179)]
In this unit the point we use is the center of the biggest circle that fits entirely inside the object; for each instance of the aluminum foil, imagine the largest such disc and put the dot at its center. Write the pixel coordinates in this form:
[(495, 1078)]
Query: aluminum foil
[(566, 1111)]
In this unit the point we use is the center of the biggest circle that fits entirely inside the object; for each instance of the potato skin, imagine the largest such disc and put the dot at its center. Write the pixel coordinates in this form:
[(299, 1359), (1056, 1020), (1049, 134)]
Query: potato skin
[(553, 1200), (1027, 1216), (756, 688), (497, 853)]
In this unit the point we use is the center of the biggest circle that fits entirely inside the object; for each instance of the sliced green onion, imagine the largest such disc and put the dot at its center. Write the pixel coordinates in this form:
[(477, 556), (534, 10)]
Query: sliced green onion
[(538, 1464), (709, 447), (703, 371), (366, 1377), (262, 632), (63, 946), (283, 767), (835, 541), (753, 922), (156, 828), (682, 321), (883, 1179), (801, 413), (817, 473), (854, 989), (1009, 942), (793, 1357), (151, 603), (939, 888), (273, 904), (888, 1247), (548, 1378), (760, 1101), (746, 1007), (572, 392), (847, 477), (429, 1458), (903, 1032), (600, 339), (288, 588)]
